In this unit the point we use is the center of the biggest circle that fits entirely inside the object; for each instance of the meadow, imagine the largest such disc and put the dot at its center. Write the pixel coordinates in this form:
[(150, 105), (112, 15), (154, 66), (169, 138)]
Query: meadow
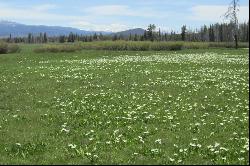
[(124, 107)]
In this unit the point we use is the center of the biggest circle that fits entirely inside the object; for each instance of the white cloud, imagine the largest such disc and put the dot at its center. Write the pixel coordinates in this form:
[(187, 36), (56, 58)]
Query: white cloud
[(44, 7), (109, 10), (31, 15), (213, 13), (36, 14), (42, 15), (114, 27), (122, 10)]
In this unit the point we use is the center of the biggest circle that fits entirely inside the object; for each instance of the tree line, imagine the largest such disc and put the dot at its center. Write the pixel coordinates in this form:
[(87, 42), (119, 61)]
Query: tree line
[(219, 32)]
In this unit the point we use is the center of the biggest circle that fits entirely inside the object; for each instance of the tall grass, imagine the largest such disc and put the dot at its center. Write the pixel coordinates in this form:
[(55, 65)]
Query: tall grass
[(58, 48), (156, 46), (227, 45), (8, 48), (134, 46), (13, 48)]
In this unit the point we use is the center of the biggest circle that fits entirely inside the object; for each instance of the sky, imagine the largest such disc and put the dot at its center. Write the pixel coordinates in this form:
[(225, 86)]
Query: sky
[(118, 15)]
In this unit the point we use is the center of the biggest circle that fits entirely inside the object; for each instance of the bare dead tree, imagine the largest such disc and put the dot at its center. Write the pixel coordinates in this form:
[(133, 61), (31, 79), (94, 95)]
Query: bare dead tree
[(232, 14)]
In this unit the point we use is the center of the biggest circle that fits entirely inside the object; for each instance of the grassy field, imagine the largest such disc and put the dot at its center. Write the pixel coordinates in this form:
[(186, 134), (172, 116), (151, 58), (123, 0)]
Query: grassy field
[(118, 107)]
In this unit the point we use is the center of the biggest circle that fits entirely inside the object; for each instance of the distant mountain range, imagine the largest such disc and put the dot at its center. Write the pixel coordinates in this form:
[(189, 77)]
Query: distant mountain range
[(17, 29)]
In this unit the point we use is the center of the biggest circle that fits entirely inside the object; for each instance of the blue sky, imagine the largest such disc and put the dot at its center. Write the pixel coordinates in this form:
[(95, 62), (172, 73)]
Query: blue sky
[(117, 15)]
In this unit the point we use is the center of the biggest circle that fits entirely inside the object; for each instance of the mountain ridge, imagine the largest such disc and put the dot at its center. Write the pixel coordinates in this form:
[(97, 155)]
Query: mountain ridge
[(22, 30), (138, 31)]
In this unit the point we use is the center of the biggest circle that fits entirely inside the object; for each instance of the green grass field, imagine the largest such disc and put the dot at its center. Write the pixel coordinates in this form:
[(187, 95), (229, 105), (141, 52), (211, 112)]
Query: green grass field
[(118, 107)]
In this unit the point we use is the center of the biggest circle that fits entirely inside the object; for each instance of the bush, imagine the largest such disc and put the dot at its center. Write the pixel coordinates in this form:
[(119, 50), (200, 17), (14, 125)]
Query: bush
[(8, 48), (176, 46), (3, 48)]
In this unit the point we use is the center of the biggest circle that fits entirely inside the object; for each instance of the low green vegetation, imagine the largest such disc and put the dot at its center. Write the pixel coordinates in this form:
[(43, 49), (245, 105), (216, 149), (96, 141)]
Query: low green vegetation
[(133, 46), (124, 107), (8, 48)]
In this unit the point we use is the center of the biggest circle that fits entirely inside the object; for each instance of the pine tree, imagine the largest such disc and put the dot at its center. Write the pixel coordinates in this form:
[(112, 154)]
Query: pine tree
[(9, 39), (71, 37), (145, 36), (221, 33), (100, 36), (115, 37), (62, 39), (211, 34), (29, 38), (136, 37), (130, 37), (159, 34), (45, 39), (183, 32), (165, 37), (95, 37), (150, 32)]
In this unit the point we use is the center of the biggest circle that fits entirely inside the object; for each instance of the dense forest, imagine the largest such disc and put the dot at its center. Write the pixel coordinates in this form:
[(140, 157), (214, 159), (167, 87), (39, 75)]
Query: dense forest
[(219, 32)]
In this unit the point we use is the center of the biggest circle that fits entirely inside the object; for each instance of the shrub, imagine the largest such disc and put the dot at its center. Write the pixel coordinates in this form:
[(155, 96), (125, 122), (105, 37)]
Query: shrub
[(176, 46), (8, 48), (3, 48)]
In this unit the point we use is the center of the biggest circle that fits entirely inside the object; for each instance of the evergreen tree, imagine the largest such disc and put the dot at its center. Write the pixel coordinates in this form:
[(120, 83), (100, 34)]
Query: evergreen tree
[(45, 39), (136, 37), (183, 32), (159, 34), (9, 39), (29, 38), (71, 37), (62, 39), (145, 36), (40, 38), (95, 37), (221, 33), (130, 37), (101, 36), (150, 32), (211, 34), (165, 37), (115, 37)]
